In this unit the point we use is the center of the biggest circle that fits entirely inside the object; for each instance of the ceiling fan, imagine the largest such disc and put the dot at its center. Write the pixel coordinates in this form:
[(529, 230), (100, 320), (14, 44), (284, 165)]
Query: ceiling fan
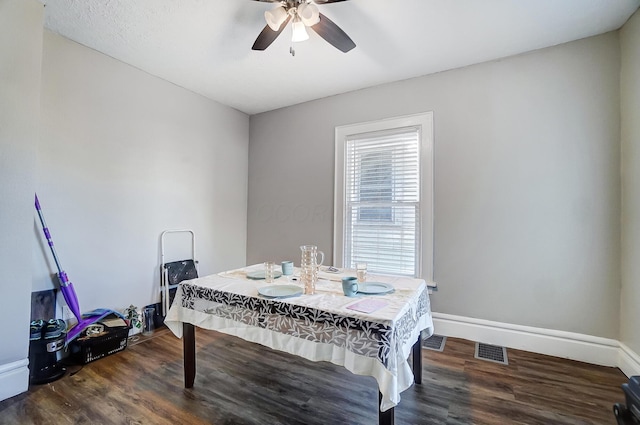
[(304, 14)]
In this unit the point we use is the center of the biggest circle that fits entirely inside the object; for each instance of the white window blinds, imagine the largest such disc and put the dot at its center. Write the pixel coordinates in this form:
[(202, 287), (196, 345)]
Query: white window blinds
[(382, 201)]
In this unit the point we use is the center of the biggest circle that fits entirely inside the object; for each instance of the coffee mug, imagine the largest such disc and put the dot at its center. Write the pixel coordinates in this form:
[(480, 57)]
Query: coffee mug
[(287, 268), (350, 286)]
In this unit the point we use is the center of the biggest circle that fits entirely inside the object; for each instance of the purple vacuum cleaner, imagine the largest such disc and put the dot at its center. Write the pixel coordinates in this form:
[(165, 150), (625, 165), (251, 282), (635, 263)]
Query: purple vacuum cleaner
[(69, 292)]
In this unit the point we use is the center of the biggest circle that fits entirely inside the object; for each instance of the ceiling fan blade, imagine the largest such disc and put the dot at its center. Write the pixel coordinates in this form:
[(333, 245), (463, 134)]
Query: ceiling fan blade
[(333, 34), (268, 36), (324, 1)]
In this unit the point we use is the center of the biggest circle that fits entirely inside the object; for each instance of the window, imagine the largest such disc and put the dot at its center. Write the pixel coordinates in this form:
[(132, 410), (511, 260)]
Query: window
[(383, 196)]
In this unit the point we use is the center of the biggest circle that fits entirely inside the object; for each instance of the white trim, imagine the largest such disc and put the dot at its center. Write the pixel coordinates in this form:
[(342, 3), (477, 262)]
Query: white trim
[(14, 378), (628, 361), (581, 347)]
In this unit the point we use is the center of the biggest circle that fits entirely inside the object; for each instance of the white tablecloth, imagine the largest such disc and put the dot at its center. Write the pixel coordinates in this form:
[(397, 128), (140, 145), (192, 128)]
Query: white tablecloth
[(317, 327)]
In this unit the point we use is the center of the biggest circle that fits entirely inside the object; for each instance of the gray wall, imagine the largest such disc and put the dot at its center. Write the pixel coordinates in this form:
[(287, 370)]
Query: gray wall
[(124, 156), (527, 183), (630, 100), (20, 64)]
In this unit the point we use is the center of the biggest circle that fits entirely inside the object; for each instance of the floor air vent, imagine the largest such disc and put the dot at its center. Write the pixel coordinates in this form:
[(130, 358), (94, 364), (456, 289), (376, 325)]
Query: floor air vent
[(434, 342), (491, 353)]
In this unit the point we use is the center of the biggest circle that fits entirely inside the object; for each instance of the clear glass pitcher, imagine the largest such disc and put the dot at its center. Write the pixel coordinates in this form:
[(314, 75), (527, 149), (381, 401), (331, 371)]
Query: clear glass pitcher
[(309, 267)]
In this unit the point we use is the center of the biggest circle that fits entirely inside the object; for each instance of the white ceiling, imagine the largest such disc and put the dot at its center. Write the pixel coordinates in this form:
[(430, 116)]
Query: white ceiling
[(205, 45)]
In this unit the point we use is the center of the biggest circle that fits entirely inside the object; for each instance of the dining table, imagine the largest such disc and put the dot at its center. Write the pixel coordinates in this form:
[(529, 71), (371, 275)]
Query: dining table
[(373, 333)]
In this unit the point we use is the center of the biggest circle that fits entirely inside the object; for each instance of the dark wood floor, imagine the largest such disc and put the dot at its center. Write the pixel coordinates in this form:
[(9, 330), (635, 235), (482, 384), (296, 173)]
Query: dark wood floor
[(243, 383)]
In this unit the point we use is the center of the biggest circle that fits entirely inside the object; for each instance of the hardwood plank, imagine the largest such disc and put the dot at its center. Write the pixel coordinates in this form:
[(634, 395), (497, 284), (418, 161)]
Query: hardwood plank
[(247, 384)]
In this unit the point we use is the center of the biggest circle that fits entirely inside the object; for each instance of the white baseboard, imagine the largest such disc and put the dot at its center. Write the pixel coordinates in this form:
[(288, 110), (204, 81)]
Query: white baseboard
[(569, 345), (628, 361), (14, 378)]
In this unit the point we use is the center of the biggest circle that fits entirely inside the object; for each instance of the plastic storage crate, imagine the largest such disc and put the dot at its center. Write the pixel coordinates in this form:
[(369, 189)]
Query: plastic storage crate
[(87, 348)]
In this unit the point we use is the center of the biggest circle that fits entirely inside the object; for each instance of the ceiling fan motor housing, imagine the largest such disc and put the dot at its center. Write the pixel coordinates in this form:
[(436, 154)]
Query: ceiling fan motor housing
[(303, 13)]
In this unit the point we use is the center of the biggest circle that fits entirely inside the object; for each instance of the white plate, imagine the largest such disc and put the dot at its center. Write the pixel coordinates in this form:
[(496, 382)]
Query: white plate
[(374, 288), (280, 291), (259, 274)]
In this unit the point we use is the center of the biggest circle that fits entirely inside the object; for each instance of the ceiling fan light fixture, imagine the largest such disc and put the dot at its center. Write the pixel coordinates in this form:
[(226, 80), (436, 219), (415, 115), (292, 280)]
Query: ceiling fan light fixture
[(299, 13), (299, 31), (309, 14), (275, 17)]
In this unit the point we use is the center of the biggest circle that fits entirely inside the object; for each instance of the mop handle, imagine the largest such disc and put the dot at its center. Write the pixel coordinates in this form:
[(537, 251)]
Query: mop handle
[(64, 280)]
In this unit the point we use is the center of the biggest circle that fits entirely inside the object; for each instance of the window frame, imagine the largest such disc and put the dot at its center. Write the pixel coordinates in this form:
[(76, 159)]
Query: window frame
[(424, 266)]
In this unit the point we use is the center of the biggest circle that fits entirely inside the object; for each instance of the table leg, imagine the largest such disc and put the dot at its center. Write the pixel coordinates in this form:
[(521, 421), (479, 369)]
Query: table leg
[(189, 352), (385, 418), (417, 360)]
